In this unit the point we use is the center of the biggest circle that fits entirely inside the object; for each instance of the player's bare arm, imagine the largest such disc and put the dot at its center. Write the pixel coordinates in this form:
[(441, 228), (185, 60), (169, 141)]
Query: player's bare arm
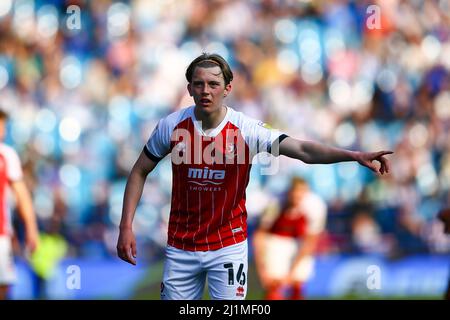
[(316, 153), (126, 244), (26, 213)]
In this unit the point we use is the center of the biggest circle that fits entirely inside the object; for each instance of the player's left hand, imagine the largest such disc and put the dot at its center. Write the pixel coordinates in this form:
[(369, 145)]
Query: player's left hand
[(126, 246), (366, 159)]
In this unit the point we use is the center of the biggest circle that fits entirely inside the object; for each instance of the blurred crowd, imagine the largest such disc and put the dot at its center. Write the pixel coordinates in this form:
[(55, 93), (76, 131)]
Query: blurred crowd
[(83, 100)]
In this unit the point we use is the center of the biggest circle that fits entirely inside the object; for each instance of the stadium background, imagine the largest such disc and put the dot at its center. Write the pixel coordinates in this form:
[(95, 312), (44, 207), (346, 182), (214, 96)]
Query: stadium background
[(84, 101)]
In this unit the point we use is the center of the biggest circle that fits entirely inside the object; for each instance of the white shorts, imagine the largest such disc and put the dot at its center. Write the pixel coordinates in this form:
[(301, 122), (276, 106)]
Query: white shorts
[(7, 269), (280, 253), (185, 273)]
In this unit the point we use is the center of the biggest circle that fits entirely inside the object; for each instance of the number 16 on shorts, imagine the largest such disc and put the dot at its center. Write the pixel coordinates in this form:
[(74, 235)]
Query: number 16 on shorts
[(240, 276)]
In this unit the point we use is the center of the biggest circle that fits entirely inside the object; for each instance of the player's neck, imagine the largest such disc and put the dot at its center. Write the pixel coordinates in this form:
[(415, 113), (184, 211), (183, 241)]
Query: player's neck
[(210, 121)]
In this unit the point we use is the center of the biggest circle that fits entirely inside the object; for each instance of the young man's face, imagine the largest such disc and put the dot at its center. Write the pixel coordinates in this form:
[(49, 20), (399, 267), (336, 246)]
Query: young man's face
[(297, 193), (208, 88)]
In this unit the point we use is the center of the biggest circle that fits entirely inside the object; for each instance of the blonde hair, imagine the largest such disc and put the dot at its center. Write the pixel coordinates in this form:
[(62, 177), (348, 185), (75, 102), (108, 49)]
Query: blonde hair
[(298, 181)]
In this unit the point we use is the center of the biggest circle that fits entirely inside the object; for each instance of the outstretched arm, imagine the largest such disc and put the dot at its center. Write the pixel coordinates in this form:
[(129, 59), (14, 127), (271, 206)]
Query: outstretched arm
[(126, 244), (315, 153)]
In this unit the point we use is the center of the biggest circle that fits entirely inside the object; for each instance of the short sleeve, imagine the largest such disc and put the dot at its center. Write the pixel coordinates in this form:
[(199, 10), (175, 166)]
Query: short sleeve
[(260, 137), (158, 145), (316, 210), (13, 165)]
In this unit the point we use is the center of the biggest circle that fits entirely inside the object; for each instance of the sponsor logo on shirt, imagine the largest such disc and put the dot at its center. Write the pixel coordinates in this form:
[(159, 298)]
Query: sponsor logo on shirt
[(206, 176)]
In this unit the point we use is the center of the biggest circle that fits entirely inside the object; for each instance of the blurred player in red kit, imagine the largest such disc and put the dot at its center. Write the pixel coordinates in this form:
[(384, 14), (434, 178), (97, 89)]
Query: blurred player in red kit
[(286, 241), (212, 147), (11, 177)]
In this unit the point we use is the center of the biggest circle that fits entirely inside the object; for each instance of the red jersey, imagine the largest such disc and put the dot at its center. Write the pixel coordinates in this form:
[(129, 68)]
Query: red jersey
[(290, 224), (10, 170), (308, 217), (210, 175)]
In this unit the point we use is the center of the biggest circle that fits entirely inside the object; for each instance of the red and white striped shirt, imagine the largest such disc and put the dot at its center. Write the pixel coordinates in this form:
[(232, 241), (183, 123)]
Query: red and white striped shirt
[(210, 175), (10, 170)]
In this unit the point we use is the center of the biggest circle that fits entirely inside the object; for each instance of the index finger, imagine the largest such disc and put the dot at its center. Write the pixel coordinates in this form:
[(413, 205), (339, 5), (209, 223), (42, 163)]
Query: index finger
[(383, 153)]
